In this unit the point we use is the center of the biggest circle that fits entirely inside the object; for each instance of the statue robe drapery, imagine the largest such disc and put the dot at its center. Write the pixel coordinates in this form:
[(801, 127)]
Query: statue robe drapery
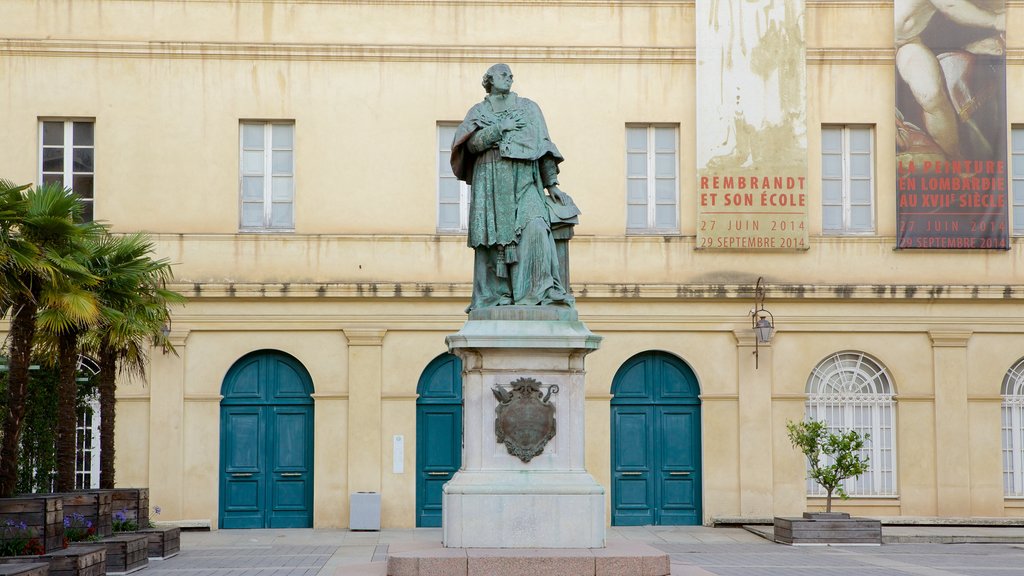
[(509, 219)]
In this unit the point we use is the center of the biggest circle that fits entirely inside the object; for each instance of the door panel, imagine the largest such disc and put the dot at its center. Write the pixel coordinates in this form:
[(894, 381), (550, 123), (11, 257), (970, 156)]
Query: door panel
[(243, 478), (633, 465), (438, 457), (679, 465), (291, 493)]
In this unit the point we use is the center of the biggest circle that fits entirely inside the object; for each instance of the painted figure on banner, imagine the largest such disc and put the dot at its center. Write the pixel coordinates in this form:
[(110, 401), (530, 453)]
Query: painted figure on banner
[(518, 233), (951, 76)]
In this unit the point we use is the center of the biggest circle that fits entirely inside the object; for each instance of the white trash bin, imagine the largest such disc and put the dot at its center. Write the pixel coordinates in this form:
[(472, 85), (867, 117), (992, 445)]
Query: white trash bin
[(364, 511)]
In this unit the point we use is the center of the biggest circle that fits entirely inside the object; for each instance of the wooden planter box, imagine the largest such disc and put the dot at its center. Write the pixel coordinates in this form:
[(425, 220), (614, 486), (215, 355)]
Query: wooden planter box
[(134, 502), (835, 528), (43, 514), (164, 542), (80, 560), (126, 552), (94, 505), (26, 569)]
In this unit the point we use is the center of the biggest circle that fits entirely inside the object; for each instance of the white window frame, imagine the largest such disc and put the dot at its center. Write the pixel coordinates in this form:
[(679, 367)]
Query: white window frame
[(1017, 177), (444, 150), (847, 228), (68, 146), (852, 391), (87, 443), (651, 180), (1013, 431), (267, 174)]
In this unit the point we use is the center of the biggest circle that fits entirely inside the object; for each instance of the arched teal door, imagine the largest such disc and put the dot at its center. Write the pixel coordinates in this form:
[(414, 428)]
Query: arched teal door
[(266, 447), (656, 443), (438, 434)]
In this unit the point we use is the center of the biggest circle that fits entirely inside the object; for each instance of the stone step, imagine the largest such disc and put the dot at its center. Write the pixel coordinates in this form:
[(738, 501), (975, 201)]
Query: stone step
[(617, 559)]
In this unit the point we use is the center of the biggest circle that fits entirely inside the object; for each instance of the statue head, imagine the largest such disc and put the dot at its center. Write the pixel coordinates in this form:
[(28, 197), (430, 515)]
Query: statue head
[(500, 72)]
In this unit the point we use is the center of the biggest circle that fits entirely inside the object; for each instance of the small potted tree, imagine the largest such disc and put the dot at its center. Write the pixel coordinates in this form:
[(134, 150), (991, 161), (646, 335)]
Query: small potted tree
[(831, 458)]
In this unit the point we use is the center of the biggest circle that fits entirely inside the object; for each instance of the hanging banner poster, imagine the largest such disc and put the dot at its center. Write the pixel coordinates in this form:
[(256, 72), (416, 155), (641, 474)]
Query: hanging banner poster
[(951, 168), (751, 125)]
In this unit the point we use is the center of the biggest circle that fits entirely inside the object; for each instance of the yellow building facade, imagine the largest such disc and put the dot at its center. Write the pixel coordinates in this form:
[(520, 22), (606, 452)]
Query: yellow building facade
[(350, 268)]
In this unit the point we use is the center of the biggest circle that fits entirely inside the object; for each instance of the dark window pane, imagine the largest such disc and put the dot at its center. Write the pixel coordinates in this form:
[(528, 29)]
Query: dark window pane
[(83, 133), (82, 185), (53, 133), (53, 159), (82, 160), (87, 211), (53, 179)]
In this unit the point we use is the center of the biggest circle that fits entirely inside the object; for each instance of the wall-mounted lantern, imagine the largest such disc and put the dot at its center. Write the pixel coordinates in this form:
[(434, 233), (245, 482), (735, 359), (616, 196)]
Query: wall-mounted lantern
[(761, 320)]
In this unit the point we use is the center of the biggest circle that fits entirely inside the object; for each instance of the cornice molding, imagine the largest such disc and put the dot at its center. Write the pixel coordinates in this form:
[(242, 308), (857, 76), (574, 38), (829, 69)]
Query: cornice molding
[(329, 396), (601, 291), (193, 50), (914, 398), (345, 52), (719, 397), (950, 338), (365, 336), (203, 397)]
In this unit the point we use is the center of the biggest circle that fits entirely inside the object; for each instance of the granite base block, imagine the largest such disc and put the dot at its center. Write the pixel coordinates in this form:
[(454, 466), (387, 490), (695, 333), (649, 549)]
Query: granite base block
[(617, 559), (523, 510)]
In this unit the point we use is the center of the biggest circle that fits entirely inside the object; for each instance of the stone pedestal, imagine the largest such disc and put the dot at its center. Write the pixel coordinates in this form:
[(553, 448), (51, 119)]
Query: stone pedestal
[(496, 500)]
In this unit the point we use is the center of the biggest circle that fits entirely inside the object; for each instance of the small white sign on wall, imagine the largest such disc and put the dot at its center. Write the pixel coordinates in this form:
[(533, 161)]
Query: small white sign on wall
[(398, 460)]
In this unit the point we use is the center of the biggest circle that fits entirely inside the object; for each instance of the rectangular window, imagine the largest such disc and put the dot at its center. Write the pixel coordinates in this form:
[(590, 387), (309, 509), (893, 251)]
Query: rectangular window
[(847, 180), (452, 193), (67, 158), (87, 454), (652, 176), (1017, 138), (267, 176)]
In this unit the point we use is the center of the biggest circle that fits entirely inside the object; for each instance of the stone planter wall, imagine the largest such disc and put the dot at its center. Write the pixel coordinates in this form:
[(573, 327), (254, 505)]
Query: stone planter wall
[(43, 514), (94, 505), (134, 502)]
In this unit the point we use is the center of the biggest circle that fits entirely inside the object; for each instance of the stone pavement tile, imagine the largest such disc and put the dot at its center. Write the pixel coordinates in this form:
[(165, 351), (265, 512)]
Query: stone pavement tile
[(417, 535), (371, 569), (412, 546), (361, 550), (688, 570)]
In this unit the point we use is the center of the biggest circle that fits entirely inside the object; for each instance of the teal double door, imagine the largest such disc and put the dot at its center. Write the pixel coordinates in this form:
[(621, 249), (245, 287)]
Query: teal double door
[(656, 443), (266, 462), (438, 435)]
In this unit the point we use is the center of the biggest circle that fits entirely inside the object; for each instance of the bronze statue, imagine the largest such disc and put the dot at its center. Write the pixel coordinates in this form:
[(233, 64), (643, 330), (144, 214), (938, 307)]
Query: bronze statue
[(502, 149)]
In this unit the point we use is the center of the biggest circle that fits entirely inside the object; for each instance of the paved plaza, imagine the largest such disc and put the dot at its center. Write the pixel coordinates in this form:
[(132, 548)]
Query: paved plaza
[(694, 551)]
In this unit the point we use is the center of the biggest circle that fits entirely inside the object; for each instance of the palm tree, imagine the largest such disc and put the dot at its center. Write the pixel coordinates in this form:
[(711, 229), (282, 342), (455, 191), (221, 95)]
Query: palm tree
[(46, 221), (135, 300), (67, 310)]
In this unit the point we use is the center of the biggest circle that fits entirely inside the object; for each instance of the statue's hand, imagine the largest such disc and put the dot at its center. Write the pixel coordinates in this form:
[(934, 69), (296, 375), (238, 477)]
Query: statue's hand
[(558, 196), (512, 122)]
